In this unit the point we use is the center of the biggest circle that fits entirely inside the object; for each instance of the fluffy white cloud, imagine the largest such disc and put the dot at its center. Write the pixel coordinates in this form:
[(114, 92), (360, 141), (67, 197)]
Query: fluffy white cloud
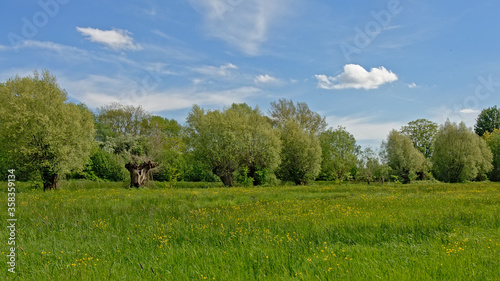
[(243, 23), (265, 79), (356, 77), (116, 38)]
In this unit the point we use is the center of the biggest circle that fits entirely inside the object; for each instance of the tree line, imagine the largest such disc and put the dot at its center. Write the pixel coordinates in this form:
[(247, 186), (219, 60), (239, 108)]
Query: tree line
[(45, 138)]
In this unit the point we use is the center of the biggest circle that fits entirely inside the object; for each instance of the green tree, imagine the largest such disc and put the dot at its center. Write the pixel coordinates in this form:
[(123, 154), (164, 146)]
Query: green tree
[(41, 130), (460, 155), (402, 157), (283, 110), (299, 130), (422, 133), (339, 153), (493, 141), (300, 155), (235, 137), (123, 129), (488, 120)]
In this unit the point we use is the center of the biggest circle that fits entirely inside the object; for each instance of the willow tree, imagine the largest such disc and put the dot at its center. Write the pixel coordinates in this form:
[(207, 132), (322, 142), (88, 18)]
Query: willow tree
[(402, 157), (235, 137), (460, 155), (299, 128), (41, 130)]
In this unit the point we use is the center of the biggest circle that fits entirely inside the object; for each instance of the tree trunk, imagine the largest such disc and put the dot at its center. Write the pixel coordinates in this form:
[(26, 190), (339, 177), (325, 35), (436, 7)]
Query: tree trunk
[(139, 173), (227, 179), (50, 180)]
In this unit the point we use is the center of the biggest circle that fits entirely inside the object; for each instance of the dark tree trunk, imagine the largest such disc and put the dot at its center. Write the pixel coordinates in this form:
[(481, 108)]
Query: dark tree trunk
[(139, 173), (50, 180), (225, 175), (227, 179)]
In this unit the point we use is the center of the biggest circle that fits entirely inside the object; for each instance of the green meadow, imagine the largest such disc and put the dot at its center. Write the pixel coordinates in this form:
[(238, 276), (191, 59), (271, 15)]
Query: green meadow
[(326, 231)]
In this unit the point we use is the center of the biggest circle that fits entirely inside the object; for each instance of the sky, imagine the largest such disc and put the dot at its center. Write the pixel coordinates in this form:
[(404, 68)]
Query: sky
[(369, 66)]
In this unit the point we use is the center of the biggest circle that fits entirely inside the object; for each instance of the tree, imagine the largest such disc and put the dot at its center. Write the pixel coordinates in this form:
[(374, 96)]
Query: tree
[(402, 157), (167, 146), (41, 130), (422, 133), (283, 110), (493, 141), (299, 130), (300, 155), (123, 129), (139, 173), (236, 137), (339, 153), (459, 154), (488, 120)]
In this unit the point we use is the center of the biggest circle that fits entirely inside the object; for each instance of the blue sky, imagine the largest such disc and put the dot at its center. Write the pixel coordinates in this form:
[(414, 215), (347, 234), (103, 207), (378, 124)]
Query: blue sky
[(370, 66)]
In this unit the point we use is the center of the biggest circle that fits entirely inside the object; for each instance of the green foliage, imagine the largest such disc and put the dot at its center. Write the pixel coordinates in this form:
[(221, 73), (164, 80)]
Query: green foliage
[(370, 168), (301, 151), (402, 157), (300, 155), (123, 119), (41, 131), (283, 110), (493, 141), (236, 137), (339, 153), (422, 133), (488, 120), (108, 166), (460, 155)]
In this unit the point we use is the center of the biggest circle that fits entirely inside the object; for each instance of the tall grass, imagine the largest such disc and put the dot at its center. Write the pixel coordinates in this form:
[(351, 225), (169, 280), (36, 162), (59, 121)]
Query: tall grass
[(325, 232)]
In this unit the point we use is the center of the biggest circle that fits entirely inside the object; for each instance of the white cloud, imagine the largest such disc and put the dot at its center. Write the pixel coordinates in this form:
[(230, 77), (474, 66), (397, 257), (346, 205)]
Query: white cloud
[(469, 111), (412, 85), (116, 38), (242, 23), (265, 79), (223, 70), (356, 77)]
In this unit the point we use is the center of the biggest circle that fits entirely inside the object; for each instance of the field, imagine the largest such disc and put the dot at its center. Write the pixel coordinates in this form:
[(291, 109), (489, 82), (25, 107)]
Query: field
[(101, 231)]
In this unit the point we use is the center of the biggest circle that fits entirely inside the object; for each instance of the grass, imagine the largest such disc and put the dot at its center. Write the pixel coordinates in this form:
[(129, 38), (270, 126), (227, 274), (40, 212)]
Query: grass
[(426, 231)]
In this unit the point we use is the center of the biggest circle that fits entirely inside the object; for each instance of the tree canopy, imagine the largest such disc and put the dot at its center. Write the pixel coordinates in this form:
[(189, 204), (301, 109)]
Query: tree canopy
[(488, 120), (41, 131), (300, 155), (493, 141), (339, 153), (460, 155), (402, 157), (283, 109), (422, 133), (235, 137)]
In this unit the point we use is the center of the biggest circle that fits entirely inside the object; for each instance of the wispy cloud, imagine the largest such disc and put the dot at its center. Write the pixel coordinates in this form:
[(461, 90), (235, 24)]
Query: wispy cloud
[(412, 85), (356, 77), (117, 39), (470, 111), (364, 128), (266, 79), (222, 71), (244, 24), (99, 90)]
